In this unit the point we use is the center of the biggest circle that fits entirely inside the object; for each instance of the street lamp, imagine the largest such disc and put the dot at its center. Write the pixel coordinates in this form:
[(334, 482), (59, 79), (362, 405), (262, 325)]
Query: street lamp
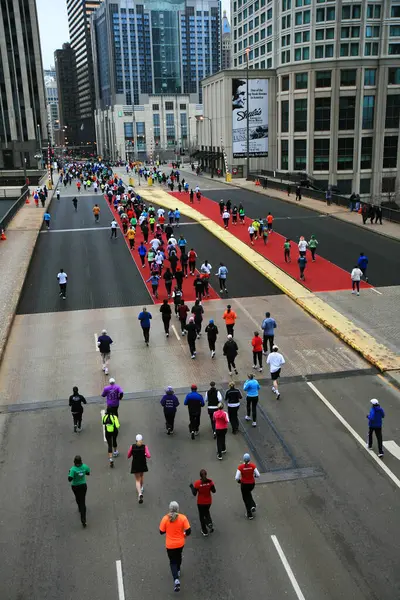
[(40, 145), (202, 117), (247, 115)]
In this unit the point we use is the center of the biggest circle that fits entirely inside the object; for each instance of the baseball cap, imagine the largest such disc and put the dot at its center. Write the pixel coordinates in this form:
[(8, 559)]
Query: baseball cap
[(274, 347), (169, 388), (374, 401), (104, 331), (193, 387), (246, 457), (211, 321), (139, 437), (229, 337), (111, 380)]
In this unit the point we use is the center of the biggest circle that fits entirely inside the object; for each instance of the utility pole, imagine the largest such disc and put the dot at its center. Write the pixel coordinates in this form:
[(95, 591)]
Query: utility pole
[(247, 116)]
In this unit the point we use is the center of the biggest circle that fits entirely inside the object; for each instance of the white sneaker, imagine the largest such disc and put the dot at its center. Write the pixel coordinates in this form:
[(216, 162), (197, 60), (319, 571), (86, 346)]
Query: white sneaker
[(254, 366), (116, 453), (193, 356), (273, 389), (247, 418), (254, 424), (358, 293), (106, 371), (103, 368), (353, 292), (260, 370)]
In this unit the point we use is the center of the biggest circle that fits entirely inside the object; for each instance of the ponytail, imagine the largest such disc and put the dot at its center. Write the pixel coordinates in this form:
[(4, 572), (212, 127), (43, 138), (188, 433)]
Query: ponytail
[(173, 511)]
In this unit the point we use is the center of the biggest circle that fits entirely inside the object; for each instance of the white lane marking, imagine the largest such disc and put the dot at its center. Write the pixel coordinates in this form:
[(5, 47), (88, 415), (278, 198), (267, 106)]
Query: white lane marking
[(103, 412), (120, 580), (175, 332), (65, 230), (376, 291), (288, 569), (357, 437), (393, 448), (95, 342), (246, 312)]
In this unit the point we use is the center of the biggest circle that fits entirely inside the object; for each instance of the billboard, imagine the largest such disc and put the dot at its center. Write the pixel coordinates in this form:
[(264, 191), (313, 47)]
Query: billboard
[(258, 115)]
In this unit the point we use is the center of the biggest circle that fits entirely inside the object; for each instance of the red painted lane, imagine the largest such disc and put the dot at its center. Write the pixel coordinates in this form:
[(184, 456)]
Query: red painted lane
[(187, 287), (320, 276)]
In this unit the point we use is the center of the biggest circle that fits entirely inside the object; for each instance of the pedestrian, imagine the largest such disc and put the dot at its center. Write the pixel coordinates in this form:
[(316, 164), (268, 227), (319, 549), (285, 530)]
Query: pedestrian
[(231, 350), (198, 312), (225, 217), (364, 213), (363, 264), (75, 203), (96, 213), (154, 280), (356, 275), (252, 232), (221, 205), (371, 212), (130, 234), (233, 397), (170, 403), (77, 478), (113, 394), (114, 227), (203, 488), (378, 214), (46, 219), (142, 253), (257, 346), (265, 233), (62, 282), (191, 330), (286, 250), (275, 361), (168, 279), (139, 453), (166, 314), (171, 216), (298, 193), (302, 262), (213, 397), (198, 285), (229, 317), (241, 214), (75, 402), (302, 245), (375, 416), (192, 261), (182, 244), (145, 318), (251, 387), (111, 426), (270, 220), (221, 427), (312, 244), (177, 296), (183, 310), (191, 196), (212, 333), (177, 216), (268, 326), (179, 276), (245, 475), (184, 263), (222, 275), (235, 212), (104, 345), (177, 528), (194, 401), (288, 189)]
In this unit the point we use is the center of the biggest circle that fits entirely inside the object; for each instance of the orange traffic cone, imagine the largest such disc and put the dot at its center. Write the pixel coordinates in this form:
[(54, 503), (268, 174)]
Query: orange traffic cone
[(3, 235)]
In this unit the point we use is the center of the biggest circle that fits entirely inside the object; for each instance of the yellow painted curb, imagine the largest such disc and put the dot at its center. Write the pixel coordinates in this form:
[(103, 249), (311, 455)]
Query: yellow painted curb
[(375, 353)]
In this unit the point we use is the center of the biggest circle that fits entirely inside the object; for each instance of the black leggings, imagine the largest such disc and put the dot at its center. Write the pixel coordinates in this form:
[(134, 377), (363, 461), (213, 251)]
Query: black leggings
[(205, 517), (111, 438), (246, 489), (80, 496), (231, 363), (229, 329), (252, 404), (257, 356), (166, 323), (175, 561), (77, 417), (169, 419)]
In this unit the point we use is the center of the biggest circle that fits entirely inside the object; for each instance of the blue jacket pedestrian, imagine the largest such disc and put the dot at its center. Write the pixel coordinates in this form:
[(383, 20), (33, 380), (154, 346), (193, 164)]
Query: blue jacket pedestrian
[(251, 386), (268, 325), (376, 414), (363, 264), (144, 318), (194, 401)]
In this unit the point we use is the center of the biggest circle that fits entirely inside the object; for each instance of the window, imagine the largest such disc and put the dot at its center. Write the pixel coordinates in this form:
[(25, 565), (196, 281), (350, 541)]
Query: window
[(348, 77), (319, 52), (370, 77), (156, 107), (321, 154), (345, 154), (285, 116), (300, 115), (306, 53), (328, 50), (392, 112), (284, 155), (351, 11), (366, 153), (323, 79), (182, 106), (320, 15), (319, 34), (345, 33), (330, 33), (394, 49), (395, 11), (169, 106), (354, 49), (301, 81), (322, 118), (128, 131), (302, 17), (368, 112), (394, 31), (285, 83), (394, 76), (286, 5), (347, 106), (390, 152), (325, 14), (344, 49), (373, 11), (300, 155), (374, 31), (371, 49)]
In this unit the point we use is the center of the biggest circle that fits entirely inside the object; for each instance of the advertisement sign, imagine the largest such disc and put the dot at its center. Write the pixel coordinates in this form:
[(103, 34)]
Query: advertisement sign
[(258, 117)]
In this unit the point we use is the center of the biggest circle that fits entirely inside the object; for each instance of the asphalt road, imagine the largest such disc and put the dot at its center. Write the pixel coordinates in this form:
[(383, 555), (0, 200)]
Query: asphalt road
[(5, 206)]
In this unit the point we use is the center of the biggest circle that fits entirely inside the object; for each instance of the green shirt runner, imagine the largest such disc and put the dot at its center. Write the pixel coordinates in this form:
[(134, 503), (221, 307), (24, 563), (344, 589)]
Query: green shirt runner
[(78, 474)]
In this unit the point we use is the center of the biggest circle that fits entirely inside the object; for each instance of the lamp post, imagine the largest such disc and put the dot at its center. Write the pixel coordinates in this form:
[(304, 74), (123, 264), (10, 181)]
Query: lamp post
[(40, 145), (247, 116), (211, 140)]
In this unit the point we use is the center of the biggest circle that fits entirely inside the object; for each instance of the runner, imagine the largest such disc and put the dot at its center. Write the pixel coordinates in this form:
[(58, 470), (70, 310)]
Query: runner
[(302, 262), (202, 488), (233, 397), (191, 196), (252, 233), (46, 219), (241, 214), (198, 285), (170, 403), (194, 401), (363, 264), (222, 275), (256, 226), (265, 233), (114, 227), (75, 402), (166, 313), (268, 326), (234, 214), (286, 250), (230, 350), (139, 453), (177, 528), (104, 345), (154, 279), (111, 426), (275, 361), (179, 276), (356, 275), (245, 475), (198, 312), (145, 317), (191, 337), (221, 427), (212, 333), (62, 281), (130, 234), (96, 213), (251, 387), (257, 346), (270, 220), (192, 261), (213, 397), (312, 244), (177, 296), (225, 217), (229, 317), (168, 279), (142, 253), (177, 216), (75, 203), (221, 205), (183, 310), (182, 244), (77, 477), (375, 416), (302, 245), (113, 394), (58, 194)]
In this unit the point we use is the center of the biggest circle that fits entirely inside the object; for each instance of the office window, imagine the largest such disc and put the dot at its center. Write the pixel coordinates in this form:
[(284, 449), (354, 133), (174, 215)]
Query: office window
[(321, 154), (269, 16), (300, 155), (263, 15), (328, 50), (351, 11), (394, 31), (371, 48), (300, 115), (330, 33), (390, 152), (323, 79), (368, 112), (128, 131), (395, 12), (306, 53), (319, 52), (182, 106), (394, 76), (394, 49), (286, 5), (169, 106), (285, 83), (285, 116), (319, 34), (344, 50), (392, 111), (320, 15), (301, 81), (366, 153), (284, 155), (373, 31), (348, 77), (373, 11), (370, 77), (347, 106), (322, 115), (302, 3), (156, 107), (297, 54), (345, 33), (345, 154)]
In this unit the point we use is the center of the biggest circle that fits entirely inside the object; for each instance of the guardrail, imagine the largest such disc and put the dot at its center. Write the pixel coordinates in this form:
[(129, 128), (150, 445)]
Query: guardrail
[(11, 193), (4, 221)]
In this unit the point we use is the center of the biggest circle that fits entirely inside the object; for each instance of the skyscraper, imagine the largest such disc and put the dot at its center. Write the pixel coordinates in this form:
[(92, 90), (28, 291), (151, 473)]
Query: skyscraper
[(23, 116), (64, 60), (79, 12), (53, 114), (226, 54)]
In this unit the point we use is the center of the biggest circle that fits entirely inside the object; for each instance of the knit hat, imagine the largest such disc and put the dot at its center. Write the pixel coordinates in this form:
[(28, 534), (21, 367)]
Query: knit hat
[(229, 337), (193, 387), (374, 401), (191, 319), (139, 437), (246, 457), (169, 389), (211, 321), (111, 380)]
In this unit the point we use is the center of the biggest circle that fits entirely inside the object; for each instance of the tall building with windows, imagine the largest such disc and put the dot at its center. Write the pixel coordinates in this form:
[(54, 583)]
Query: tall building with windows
[(53, 114), (226, 41), (64, 60), (144, 52), (23, 115), (338, 93)]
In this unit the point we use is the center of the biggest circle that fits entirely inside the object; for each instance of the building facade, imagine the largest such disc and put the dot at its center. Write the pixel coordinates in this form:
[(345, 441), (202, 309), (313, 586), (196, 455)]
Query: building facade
[(338, 93), (23, 115), (79, 19), (226, 43), (64, 60), (53, 114)]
